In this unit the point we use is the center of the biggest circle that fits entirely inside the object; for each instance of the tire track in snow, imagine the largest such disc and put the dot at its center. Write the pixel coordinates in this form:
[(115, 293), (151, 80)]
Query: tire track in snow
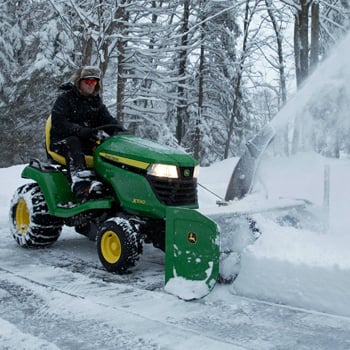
[(158, 318), (110, 308), (127, 306)]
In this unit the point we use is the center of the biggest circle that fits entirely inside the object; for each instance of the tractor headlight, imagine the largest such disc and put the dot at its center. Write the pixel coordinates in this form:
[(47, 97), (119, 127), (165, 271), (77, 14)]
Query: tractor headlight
[(163, 170), (196, 171)]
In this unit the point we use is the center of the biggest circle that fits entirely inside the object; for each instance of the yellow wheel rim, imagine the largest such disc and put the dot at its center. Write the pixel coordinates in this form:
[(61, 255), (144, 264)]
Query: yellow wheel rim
[(111, 247), (22, 216)]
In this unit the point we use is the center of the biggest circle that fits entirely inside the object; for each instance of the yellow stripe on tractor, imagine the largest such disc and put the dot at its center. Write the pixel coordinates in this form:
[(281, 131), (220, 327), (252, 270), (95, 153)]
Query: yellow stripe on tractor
[(127, 161)]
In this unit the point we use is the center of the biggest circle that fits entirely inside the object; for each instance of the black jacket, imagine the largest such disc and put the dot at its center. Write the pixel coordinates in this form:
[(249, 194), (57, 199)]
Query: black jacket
[(72, 111)]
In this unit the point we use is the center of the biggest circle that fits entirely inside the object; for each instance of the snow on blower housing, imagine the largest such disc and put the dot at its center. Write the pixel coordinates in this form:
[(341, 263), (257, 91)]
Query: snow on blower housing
[(149, 195)]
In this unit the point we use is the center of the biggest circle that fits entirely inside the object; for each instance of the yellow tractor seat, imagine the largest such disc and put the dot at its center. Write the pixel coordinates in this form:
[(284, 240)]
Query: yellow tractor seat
[(89, 160)]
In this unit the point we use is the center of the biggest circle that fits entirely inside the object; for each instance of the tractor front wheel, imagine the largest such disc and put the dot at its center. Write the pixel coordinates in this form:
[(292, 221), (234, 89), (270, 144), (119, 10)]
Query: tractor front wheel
[(118, 245), (31, 224)]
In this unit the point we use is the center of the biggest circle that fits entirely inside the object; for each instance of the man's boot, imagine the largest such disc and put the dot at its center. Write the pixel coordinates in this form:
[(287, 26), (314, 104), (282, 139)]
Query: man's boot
[(84, 186)]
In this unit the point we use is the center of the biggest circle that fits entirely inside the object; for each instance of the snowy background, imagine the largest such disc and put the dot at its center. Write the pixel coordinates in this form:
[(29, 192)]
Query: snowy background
[(292, 289)]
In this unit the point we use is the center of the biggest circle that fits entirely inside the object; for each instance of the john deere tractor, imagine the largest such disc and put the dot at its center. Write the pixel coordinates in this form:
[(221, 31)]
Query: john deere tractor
[(149, 196)]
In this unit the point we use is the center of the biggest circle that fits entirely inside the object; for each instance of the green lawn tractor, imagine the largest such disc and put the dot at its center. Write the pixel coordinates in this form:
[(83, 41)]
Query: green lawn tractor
[(149, 196)]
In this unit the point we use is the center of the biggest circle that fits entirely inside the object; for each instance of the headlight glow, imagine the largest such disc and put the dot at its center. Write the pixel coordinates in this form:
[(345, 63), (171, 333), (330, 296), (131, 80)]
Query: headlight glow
[(163, 170), (196, 171)]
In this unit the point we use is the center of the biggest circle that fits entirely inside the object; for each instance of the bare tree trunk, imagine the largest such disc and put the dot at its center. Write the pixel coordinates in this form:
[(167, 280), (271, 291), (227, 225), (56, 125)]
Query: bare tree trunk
[(301, 42), (282, 75), (236, 117), (279, 42), (181, 108), (148, 82), (87, 49), (121, 19), (197, 135), (315, 35)]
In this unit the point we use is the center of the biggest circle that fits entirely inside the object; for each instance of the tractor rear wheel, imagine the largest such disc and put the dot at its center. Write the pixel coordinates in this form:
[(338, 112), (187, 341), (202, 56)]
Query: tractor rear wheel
[(118, 245), (31, 224)]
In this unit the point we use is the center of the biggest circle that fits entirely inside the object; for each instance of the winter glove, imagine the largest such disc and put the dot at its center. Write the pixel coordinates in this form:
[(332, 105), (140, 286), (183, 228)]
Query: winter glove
[(86, 133), (114, 129)]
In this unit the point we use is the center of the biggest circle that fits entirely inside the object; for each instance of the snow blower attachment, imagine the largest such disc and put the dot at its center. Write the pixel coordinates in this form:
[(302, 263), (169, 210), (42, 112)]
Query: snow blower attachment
[(241, 213), (149, 196), (192, 253)]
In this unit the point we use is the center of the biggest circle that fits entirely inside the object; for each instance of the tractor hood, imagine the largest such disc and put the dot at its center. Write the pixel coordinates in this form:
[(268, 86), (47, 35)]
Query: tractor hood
[(139, 152)]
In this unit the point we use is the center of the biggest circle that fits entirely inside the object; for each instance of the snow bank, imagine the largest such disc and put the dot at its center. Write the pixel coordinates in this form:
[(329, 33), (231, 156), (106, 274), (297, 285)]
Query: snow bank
[(308, 266), (299, 268)]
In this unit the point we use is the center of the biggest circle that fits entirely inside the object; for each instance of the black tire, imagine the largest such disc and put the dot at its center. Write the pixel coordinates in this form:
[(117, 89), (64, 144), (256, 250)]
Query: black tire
[(31, 224), (118, 245)]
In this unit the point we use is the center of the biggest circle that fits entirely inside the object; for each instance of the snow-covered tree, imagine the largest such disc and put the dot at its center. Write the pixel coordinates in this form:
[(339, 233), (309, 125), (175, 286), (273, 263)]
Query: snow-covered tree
[(186, 73), (32, 67)]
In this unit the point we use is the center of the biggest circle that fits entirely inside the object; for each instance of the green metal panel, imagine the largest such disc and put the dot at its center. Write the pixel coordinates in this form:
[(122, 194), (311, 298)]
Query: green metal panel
[(53, 184), (60, 200), (133, 190), (191, 253), (147, 151), (69, 211)]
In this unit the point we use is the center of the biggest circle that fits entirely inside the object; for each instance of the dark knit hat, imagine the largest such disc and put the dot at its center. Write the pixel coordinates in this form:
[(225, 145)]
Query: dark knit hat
[(90, 72)]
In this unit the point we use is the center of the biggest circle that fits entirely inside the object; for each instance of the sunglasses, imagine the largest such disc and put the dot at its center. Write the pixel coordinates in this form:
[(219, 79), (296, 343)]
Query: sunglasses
[(89, 81)]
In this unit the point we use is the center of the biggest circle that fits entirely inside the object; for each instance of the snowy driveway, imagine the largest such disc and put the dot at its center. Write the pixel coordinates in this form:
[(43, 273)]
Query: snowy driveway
[(61, 298)]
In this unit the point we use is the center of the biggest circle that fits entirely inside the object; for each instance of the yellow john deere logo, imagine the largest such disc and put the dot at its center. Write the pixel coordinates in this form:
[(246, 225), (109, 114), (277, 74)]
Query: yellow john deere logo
[(192, 237)]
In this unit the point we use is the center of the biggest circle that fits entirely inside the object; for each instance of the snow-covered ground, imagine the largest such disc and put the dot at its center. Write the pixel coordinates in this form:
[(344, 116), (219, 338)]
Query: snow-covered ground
[(291, 291)]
